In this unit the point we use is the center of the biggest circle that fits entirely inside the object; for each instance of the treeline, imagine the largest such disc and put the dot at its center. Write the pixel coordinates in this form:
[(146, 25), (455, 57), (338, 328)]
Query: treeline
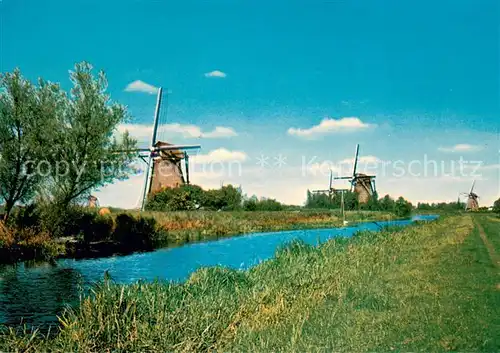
[(400, 206), (441, 206), (193, 197)]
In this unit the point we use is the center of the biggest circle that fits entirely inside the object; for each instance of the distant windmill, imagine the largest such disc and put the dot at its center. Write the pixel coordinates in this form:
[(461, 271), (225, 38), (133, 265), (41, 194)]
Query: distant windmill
[(471, 203), (361, 184), (328, 191), (92, 201), (164, 168)]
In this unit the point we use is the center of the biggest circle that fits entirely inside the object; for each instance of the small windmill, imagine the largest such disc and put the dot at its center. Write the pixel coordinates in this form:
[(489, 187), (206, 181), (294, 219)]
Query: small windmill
[(328, 191), (361, 184), (164, 160), (92, 201), (471, 203)]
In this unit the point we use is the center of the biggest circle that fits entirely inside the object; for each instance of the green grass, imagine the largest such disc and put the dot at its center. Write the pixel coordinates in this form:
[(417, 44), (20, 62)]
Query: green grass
[(182, 227), (428, 287), (97, 236)]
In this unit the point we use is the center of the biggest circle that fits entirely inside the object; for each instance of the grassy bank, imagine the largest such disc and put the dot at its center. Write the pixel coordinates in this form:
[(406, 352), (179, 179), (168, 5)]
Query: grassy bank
[(182, 227), (430, 287), (84, 233)]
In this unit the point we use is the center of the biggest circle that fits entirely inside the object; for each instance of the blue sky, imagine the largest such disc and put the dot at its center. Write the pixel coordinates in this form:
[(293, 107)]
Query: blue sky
[(420, 78)]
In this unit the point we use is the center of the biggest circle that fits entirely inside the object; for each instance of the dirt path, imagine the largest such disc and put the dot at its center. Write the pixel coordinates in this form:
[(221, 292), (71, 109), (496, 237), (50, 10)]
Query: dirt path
[(491, 250)]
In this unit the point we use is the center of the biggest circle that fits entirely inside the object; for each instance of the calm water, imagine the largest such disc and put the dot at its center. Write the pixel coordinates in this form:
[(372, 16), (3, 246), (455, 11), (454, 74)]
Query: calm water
[(36, 294)]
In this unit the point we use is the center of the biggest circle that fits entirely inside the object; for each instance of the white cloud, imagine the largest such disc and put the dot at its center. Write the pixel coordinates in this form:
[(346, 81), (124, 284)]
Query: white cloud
[(463, 147), (220, 155), (141, 86), (328, 126), (143, 132), (220, 131), (216, 74)]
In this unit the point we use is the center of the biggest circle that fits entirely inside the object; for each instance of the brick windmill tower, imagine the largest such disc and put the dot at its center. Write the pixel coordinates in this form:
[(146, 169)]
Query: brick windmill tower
[(471, 204), (164, 161), (363, 185)]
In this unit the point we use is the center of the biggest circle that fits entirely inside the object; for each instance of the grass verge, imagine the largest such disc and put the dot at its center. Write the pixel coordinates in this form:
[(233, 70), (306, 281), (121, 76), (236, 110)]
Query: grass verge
[(429, 287)]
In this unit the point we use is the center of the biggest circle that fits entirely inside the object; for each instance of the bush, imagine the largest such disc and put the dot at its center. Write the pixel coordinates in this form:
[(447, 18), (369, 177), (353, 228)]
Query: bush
[(183, 198), (253, 204), (496, 207), (402, 208), (192, 197), (95, 227), (135, 233)]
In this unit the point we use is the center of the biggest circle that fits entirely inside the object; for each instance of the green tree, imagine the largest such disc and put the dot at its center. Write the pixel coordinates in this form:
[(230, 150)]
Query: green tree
[(402, 208), (84, 151), (496, 207), (27, 119), (387, 203)]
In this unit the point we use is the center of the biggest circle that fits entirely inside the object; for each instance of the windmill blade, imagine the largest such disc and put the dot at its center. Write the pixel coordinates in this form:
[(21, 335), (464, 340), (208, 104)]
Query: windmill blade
[(148, 176), (331, 179), (355, 160), (147, 181), (175, 147), (157, 115), (472, 187), (186, 164), (343, 178)]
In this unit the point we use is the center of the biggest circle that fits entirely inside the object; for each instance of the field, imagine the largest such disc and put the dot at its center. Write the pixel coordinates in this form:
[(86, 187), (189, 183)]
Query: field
[(431, 287)]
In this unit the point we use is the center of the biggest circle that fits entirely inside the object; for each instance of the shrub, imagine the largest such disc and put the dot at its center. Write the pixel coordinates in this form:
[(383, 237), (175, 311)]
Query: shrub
[(95, 227), (135, 233), (183, 198), (402, 208), (253, 204), (496, 207), (192, 197)]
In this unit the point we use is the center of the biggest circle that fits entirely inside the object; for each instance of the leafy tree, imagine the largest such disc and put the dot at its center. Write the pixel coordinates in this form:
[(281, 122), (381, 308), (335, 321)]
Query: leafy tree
[(387, 203), (227, 198), (496, 207), (27, 119), (402, 208), (84, 148)]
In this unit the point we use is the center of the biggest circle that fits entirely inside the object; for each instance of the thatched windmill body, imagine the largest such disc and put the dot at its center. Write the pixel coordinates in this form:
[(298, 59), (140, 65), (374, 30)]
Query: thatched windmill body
[(363, 185), (471, 203), (164, 161)]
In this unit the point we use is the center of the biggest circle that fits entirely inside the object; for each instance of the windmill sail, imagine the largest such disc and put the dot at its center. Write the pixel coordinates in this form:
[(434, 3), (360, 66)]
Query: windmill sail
[(355, 161), (472, 199), (149, 171), (363, 185), (163, 160)]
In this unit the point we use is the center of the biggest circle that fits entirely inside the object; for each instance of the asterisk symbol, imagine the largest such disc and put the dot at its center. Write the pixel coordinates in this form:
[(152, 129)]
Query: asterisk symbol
[(262, 161), (280, 160)]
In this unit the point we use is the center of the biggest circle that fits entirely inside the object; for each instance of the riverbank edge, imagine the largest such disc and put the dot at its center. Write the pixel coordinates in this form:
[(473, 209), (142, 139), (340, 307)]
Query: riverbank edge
[(198, 278), (72, 248)]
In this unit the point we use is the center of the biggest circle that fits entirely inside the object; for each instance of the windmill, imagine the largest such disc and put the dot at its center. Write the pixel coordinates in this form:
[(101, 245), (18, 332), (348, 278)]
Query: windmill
[(361, 184), (163, 160), (92, 201), (330, 190), (471, 203)]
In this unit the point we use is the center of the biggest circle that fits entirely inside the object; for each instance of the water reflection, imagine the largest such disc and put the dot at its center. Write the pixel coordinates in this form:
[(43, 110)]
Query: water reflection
[(35, 295)]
